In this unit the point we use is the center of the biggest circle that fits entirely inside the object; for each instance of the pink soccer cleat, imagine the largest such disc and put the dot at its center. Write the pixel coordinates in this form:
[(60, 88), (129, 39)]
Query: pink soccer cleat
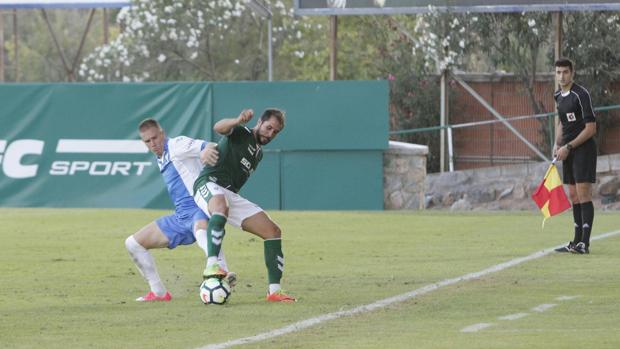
[(152, 297), (280, 296)]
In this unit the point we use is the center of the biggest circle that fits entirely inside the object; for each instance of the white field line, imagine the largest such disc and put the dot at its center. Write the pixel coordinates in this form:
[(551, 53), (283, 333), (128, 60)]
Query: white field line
[(476, 327), (543, 307), (513, 316), (540, 308), (565, 298), (304, 324)]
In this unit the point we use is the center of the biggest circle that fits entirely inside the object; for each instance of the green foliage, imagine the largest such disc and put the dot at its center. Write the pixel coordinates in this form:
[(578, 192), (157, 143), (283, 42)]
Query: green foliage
[(185, 40), (207, 40), (358, 40), (591, 41), (227, 41), (304, 55), (415, 104), (516, 42), (513, 41), (38, 57), (414, 87)]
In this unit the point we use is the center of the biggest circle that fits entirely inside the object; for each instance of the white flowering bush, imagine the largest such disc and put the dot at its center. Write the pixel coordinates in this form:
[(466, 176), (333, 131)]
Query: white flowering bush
[(189, 40), (443, 38)]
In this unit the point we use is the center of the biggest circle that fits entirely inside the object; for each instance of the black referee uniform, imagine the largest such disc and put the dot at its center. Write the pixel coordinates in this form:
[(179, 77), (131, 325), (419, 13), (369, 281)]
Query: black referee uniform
[(575, 110)]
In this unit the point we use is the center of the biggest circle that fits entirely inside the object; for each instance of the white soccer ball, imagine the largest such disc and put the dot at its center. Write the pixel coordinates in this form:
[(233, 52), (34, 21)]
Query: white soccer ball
[(214, 291)]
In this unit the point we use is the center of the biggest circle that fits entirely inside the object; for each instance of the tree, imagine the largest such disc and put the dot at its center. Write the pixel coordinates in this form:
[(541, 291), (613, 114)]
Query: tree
[(39, 60), (193, 40), (591, 41), (224, 40), (513, 42), (455, 41), (414, 53)]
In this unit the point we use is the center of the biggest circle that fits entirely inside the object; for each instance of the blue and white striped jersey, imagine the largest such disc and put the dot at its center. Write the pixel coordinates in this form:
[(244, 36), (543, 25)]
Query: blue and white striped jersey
[(180, 165)]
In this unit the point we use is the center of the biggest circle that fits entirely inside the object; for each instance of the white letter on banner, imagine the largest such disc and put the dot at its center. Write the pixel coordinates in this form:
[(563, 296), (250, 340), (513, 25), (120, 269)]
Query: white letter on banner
[(60, 168), (122, 167), (12, 158), (2, 147), (79, 166), (101, 172), (141, 165)]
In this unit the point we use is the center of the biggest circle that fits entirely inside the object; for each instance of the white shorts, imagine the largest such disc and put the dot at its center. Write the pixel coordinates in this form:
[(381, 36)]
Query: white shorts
[(239, 208)]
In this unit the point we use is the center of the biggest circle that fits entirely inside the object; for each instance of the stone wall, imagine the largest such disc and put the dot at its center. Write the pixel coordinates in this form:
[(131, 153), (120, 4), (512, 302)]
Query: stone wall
[(404, 174), (510, 187), (406, 186)]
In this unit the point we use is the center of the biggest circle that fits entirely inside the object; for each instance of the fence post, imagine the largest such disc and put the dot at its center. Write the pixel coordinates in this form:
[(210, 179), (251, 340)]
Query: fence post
[(443, 121)]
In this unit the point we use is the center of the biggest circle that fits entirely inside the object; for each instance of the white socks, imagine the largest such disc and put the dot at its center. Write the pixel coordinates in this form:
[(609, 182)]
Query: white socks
[(222, 260), (201, 240), (146, 265), (274, 288)]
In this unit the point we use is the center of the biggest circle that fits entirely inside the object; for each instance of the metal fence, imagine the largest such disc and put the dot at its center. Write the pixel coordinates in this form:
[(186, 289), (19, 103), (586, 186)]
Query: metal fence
[(492, 142)]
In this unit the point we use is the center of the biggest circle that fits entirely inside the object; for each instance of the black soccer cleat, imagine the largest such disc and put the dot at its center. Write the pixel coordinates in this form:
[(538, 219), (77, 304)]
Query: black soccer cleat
[(581, 248), (568, 248)]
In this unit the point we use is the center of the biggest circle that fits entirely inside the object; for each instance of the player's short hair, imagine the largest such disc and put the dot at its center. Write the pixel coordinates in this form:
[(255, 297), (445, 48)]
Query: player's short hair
[(565, 62), (148, 123), (273, 112)]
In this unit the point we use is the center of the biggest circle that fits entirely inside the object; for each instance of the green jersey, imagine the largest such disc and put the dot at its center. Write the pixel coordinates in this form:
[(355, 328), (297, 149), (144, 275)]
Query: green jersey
[(239, 155)]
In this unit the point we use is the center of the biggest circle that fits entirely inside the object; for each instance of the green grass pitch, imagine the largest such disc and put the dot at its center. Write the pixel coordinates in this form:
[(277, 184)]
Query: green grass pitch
[(66, 281)]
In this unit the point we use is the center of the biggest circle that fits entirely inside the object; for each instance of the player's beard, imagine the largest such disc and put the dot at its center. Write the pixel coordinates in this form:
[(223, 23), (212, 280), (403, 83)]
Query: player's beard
[(262, 140)]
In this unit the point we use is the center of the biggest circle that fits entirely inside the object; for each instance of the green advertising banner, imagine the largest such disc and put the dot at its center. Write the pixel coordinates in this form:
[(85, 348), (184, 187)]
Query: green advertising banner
[(77, 145)]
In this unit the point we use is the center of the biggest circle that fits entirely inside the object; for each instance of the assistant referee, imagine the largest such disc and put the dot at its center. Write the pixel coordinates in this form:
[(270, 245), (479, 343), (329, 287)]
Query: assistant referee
[(575, 145)]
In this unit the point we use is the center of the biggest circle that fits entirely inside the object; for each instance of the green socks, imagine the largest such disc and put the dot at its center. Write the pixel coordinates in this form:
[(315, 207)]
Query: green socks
[(215, 234), (274, 260)]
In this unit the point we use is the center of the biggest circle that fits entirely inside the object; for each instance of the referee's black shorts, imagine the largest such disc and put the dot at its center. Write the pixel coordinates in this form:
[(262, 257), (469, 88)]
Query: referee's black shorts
[(580, 165)]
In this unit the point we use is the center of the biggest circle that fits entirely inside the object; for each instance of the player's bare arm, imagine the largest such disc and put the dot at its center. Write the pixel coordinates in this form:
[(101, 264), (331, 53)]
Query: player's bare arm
[(209, 155), (225, 126), (588, 132), (558, 138)]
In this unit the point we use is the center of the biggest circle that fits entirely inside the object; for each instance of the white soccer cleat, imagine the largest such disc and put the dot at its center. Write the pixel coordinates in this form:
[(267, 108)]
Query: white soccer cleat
[(231, 277)]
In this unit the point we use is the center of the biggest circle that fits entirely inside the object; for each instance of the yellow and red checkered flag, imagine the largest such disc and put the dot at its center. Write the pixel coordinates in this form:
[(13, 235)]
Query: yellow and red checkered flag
[(550, 196)]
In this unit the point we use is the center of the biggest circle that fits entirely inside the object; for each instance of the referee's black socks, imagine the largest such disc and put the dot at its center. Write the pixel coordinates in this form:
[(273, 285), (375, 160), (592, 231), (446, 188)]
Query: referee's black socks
[(578, 223), (587, 218)]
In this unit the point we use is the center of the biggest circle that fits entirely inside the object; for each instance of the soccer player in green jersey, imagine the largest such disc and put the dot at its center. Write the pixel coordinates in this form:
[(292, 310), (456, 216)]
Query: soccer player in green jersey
[(215, 192)]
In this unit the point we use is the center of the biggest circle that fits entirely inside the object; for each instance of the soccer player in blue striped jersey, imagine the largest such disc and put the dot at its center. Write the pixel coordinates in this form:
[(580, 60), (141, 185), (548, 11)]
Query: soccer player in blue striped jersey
[(180, 160)]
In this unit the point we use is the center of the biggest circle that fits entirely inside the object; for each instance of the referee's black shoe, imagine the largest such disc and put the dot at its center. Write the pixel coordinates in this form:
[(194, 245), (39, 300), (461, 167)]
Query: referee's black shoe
[(581, 248), (568, 248)]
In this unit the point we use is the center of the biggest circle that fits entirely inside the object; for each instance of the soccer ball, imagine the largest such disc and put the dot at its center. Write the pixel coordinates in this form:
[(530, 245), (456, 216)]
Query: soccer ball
[(214, 291)]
